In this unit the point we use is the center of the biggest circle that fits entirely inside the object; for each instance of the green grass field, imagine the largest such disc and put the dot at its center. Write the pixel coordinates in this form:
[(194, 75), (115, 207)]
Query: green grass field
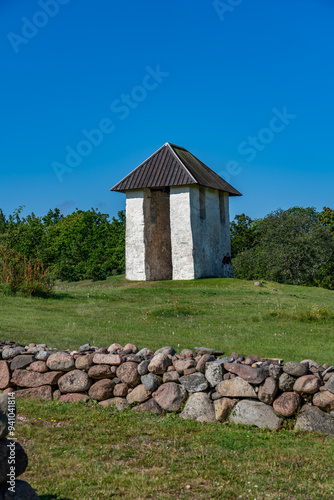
[(80, 451)]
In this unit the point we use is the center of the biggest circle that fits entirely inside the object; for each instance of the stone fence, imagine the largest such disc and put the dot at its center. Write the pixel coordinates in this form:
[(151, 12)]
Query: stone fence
[(201, 384)]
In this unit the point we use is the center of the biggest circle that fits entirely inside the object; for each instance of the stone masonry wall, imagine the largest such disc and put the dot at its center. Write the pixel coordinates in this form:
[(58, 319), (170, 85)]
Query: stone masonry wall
[(134, 235), (211, 235), (201, 384)]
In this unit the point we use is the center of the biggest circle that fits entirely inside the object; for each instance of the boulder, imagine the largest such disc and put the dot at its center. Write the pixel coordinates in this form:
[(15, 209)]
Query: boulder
[(11, 449), (5, 375), (24, 378), (295, 369), (199, 407), (74, 381), (84, 362), (226, 359), (38, 366), (118, 403), (121, 390), (107, 359), (236, 388), (204, 350), (172, 376), (21, 361), (159, 364), (42, 355), (102, 389), (170, 396), (215, 395), (115, 348), (213, 373), (131, 347), (205, 358), (168, 350), (287, 404), (74, 397), (275, 371), (310, 363), (151, 405), (85, 347), (187, 353), (195, 382), (11, 352), (308, 384), (128, 373), (61, 361), (23, 491), (56, 394), (312, 419), (248, 373), (43, 392), (98, 372), (184, 364), (223, 407), (324, 400), (268, 390), (150, 381), (145, 352), (189, 371), (286, 382), (329, 386), (143, 367), (138, 395), (255, 413)]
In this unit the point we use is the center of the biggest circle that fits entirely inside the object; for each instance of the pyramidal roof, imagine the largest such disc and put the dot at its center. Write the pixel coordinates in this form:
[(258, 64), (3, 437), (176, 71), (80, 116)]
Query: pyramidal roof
[(173, 166)]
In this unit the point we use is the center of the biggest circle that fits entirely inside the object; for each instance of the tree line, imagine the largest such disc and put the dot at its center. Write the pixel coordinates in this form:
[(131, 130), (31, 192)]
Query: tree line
[(294, 246), (287, 246), (82, 245)]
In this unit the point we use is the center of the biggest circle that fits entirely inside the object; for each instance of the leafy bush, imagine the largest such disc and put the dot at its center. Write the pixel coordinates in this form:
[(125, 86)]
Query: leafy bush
[(82, 245), (18, 276), (291, 246)]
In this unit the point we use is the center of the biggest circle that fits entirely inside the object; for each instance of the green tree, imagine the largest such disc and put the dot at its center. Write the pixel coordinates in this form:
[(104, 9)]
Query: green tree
[(243, 234), (326, 218), (82, 245), (293, 247)]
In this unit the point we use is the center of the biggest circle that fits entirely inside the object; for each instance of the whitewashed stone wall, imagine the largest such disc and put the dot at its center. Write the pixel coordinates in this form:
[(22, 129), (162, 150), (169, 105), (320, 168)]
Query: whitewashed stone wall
[(134, 236), (211, 235), (181, 233), (198, 244)]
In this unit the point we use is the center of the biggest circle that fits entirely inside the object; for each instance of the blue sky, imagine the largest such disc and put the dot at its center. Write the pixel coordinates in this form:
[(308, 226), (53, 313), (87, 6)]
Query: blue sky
[(245, 85)]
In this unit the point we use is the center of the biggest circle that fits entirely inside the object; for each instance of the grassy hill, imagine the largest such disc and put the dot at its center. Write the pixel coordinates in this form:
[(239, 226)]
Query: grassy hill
[(233, 315), (81, 451)]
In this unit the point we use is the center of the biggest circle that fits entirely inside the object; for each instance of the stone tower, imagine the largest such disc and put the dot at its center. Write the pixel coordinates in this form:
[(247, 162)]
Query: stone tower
[(177, 217)]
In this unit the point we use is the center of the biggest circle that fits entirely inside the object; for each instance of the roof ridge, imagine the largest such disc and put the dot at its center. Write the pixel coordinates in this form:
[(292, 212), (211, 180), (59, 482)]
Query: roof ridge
[(138, 166), (173, 165), (181, 162)]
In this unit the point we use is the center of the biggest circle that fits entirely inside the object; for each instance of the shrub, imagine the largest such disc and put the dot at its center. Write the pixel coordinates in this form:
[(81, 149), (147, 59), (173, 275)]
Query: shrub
[(17, 275), (292, 246)]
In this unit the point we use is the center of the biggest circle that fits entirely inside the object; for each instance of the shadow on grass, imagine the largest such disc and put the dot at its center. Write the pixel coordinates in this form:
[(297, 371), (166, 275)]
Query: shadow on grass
[(60, 295)]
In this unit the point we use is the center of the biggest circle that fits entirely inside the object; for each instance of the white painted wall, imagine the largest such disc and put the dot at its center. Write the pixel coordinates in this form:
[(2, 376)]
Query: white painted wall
[(197, 245), (134, 236), (181, 233), (211, 236)]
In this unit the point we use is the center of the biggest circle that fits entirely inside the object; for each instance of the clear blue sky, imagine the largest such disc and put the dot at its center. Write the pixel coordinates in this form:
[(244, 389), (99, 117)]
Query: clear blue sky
[(201, 74)]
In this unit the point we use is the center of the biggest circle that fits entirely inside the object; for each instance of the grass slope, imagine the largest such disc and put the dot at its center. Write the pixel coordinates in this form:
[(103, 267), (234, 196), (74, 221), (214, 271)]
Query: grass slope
[(83, 451), (232, 315)]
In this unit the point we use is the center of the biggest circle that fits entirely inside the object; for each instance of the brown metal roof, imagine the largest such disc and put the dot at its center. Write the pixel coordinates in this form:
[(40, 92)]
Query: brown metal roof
[(173, 166)]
